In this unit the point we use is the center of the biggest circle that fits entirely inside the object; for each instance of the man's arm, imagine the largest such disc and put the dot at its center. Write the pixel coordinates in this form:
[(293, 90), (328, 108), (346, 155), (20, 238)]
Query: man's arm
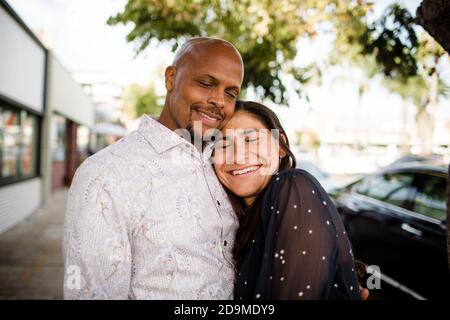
[(96, 249)]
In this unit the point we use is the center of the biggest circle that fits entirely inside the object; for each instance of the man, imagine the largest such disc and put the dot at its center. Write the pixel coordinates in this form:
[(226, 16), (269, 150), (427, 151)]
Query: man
[(146, 217)]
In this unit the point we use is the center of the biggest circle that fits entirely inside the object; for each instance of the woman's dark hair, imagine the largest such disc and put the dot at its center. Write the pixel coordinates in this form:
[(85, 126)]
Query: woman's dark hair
[(249, 215)]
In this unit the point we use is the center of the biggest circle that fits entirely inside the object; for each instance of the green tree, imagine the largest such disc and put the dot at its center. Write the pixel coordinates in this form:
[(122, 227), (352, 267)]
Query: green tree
[(407, 57), (140, 100), (265, 32)]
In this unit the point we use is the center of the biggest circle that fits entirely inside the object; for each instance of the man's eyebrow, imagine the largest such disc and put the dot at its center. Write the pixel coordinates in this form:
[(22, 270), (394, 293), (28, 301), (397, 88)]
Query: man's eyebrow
[(210, 77)]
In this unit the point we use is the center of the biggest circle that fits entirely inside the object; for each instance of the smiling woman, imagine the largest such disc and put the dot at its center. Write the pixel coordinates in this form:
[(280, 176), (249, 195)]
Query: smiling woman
[(291, 243)]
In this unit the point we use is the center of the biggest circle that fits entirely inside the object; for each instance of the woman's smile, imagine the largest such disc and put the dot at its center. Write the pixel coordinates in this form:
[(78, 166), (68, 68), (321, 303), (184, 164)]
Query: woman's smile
[(244, 171)]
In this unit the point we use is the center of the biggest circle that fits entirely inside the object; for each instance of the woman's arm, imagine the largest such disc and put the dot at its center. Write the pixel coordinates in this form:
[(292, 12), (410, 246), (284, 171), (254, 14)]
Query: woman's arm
[(312, 256)]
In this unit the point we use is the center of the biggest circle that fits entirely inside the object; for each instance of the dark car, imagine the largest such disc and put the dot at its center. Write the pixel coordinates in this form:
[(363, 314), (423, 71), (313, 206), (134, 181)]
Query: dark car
[(415, 158), (396, 220)]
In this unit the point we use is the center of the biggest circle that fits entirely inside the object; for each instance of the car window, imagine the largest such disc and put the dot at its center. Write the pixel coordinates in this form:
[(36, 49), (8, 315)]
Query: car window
[(431, 198), (393, 188)]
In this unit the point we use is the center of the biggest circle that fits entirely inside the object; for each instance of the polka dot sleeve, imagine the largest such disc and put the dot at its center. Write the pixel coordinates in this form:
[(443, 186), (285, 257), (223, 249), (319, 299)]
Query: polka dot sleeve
[(311, 254)]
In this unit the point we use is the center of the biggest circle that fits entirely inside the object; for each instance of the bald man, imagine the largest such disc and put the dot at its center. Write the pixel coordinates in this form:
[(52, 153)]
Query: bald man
[(146, 217)]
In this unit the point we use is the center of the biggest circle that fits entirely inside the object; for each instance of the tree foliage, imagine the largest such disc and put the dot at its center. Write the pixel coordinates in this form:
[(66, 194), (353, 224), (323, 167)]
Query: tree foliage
[(396, 47), (265, 32), (142, 100)]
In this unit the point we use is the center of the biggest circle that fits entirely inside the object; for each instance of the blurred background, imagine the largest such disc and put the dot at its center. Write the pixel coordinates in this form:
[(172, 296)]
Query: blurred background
[(362, 88)]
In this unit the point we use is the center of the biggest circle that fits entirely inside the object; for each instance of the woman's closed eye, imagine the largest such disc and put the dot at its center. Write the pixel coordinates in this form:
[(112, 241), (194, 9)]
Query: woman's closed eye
[(223, 144), (251, 139)]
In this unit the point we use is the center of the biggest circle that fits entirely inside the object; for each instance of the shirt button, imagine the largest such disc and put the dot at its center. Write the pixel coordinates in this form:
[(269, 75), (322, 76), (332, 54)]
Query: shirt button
[(225, 243), (218, 202)]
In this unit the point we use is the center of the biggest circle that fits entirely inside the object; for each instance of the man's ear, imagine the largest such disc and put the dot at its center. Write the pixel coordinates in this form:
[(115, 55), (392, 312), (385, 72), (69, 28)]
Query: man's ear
[(170, 78)]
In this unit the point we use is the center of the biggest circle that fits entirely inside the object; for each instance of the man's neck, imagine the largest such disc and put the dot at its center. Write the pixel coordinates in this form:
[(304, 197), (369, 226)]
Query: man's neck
[(166, 119)]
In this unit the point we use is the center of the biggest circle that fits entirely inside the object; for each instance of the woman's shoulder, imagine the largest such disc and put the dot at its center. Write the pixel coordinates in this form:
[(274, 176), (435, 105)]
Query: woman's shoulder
[(290, 182), (295, 176)]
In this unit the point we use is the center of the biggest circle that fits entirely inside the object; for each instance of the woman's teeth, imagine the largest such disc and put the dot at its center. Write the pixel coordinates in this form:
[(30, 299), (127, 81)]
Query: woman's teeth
[(245, 170)]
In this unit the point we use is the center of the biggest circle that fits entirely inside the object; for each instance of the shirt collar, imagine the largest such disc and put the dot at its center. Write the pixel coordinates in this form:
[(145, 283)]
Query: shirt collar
[(158, 135), (162, 138)]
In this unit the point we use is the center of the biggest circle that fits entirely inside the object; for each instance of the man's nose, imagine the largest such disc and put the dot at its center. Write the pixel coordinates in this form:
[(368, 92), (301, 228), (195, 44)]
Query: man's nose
[(217, 99)]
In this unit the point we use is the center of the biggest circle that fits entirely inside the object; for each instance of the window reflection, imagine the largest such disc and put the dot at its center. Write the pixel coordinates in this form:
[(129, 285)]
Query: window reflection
[(29, 143), (431, 198), (10, 143), (395, 188), (58, 138), (18, 144)]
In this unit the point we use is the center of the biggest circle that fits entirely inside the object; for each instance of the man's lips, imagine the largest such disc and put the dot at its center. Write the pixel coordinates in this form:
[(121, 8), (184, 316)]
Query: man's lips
[(209, 119)]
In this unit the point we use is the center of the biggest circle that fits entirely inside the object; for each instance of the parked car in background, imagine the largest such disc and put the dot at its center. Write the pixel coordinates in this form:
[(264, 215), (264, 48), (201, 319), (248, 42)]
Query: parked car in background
[(396, 219), (415, 158), (316, 172)]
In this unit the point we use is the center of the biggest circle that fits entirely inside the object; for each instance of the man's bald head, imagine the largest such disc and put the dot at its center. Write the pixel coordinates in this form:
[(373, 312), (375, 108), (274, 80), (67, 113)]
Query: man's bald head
[(196, 47), (202, 84)]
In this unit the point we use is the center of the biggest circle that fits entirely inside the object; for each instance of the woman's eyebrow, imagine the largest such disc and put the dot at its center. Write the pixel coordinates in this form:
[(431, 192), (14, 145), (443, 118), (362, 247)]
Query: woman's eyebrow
[(247, 131)]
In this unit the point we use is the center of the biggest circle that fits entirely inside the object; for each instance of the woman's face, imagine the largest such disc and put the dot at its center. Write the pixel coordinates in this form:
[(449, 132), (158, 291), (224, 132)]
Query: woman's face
[(247, 156)]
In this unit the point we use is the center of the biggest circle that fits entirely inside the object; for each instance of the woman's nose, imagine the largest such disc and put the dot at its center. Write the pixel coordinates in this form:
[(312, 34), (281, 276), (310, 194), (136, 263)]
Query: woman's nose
[(240, 154)]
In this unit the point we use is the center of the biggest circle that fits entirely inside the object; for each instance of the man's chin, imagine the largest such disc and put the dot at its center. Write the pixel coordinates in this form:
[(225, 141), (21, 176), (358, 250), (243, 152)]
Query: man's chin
[(199, 129)]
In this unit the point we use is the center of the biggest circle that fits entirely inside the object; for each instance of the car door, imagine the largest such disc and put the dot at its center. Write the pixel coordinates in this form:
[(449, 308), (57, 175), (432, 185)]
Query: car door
[(374, 215), (422, 235)]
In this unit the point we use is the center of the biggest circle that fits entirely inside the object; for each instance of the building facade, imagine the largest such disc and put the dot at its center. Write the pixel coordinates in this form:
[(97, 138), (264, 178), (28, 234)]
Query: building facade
[(44, 121)]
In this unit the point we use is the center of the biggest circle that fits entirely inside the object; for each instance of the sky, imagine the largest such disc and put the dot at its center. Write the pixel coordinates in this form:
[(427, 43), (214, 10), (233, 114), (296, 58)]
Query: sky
[(77, 32)]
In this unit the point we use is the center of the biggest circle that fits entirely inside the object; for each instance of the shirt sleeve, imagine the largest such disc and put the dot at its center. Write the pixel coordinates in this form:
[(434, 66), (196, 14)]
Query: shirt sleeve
[(96, 247), (312, 254)]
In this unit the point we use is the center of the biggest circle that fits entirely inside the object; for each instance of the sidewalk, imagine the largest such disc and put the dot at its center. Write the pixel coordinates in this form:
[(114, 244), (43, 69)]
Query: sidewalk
[(30, 254)]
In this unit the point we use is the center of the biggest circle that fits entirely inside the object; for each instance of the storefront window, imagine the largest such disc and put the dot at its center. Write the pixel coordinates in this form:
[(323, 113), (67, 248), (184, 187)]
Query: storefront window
[(58, 137), (18, 144), (11, 143), (82, 143), (29, 143)]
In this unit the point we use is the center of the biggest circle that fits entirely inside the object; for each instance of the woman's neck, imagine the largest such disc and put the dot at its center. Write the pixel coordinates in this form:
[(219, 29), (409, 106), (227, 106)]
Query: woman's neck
[(249, 200)]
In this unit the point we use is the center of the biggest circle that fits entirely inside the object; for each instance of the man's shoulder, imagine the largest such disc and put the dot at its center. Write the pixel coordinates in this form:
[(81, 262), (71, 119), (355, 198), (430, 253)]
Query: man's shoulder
[(122, 151), (111, 158), (113, 163)]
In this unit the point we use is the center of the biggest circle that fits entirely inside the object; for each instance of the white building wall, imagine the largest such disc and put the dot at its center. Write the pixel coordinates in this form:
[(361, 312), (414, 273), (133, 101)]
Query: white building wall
[(19, 200), (22, 81), (22, 64), (66, 96)]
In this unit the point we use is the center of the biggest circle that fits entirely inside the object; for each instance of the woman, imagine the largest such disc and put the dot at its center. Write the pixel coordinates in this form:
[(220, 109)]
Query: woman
[(291, 243)]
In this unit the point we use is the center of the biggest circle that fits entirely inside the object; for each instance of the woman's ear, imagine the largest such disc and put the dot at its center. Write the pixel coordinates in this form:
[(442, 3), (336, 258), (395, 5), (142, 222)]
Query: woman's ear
[(170, 78), (282, 152)]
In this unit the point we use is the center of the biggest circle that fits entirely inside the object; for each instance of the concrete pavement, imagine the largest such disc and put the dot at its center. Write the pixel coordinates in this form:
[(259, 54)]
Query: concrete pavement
[(31, 264)]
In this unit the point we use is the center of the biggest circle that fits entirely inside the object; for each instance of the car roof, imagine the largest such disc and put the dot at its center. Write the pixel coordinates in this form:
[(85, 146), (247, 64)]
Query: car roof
[(430, 166)]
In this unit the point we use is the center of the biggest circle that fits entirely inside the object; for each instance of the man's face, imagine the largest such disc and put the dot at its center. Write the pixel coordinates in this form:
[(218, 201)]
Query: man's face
[(204, 87)]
